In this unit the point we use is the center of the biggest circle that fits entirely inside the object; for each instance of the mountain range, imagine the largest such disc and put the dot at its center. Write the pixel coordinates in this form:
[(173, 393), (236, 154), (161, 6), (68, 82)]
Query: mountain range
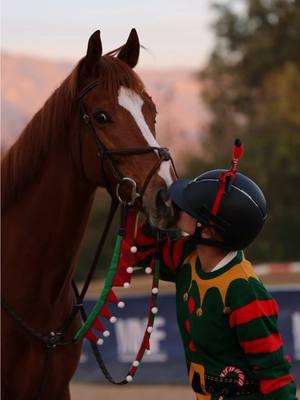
[(28, 81)]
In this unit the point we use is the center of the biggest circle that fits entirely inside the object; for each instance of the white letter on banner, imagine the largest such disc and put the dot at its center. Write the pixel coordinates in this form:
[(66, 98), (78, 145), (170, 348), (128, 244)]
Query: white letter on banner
[(296, 334), (129, 334)]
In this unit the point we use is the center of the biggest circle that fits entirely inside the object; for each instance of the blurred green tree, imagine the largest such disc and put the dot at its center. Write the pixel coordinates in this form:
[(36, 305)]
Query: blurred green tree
[(251, 85)]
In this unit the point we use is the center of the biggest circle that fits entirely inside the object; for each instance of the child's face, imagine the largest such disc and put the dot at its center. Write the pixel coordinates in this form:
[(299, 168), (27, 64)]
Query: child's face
[(186, 223)]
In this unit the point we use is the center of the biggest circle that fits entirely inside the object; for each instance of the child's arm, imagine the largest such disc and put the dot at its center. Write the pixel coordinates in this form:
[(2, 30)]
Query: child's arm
[(254, 318), (170, 251)]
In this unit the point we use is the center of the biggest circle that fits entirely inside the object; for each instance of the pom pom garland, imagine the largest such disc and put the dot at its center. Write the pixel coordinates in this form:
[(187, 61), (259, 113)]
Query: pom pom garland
[(133, 249), (121, 304), (119, 275)]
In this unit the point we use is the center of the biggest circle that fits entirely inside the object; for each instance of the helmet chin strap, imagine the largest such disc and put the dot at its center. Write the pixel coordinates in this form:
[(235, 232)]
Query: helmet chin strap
[(198, 239)]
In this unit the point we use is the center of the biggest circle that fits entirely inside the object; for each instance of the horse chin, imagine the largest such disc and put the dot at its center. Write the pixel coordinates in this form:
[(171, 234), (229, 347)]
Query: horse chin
[(164, 219)]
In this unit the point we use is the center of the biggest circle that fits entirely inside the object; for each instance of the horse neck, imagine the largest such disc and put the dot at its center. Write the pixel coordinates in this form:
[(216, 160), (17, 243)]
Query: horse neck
[(49, 221)]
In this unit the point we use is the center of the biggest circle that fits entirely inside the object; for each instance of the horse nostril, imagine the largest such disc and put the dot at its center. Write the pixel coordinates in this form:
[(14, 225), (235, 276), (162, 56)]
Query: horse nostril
[(163, 199)]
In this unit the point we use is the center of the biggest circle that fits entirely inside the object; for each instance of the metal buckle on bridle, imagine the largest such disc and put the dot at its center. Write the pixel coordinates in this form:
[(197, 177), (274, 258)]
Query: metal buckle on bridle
[(134, 193), (53, 339)]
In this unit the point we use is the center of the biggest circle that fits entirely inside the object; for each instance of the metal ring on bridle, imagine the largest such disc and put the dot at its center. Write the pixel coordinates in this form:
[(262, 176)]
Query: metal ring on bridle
[(134, 194)]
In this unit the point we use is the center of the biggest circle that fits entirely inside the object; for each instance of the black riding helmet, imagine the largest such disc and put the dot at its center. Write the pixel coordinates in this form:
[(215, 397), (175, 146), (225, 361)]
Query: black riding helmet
[(236, 209)]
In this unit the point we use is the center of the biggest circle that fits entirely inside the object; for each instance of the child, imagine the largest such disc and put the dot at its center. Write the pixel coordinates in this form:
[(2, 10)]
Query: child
[(227, 318)]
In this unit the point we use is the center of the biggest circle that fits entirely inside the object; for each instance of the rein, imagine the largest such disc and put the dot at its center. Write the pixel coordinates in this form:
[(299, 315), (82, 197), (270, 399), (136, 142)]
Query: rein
[(56, 338)]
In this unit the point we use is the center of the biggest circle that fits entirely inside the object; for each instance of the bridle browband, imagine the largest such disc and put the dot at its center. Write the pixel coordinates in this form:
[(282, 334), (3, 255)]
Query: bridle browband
[(56, 338)]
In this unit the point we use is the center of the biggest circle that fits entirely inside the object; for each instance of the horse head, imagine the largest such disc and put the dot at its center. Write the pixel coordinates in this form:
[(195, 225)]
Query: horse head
[(116, 142)]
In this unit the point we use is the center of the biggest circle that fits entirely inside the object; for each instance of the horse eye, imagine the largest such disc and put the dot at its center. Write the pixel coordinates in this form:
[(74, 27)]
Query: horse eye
[(102, 117)]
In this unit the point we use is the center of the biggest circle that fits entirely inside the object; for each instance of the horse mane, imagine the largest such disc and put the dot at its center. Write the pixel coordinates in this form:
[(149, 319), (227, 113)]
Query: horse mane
[(24, 160)]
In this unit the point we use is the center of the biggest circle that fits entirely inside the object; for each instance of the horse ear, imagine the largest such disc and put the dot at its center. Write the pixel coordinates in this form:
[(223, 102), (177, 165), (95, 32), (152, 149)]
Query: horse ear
[(130, 52), (94, 50)]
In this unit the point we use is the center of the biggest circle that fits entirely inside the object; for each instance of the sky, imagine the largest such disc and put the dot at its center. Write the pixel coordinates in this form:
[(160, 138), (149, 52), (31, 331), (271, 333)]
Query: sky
[(176, 33)]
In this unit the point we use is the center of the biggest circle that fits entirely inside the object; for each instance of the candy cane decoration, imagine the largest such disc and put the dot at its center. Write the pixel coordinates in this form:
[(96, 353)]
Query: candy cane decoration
[(240, 375)]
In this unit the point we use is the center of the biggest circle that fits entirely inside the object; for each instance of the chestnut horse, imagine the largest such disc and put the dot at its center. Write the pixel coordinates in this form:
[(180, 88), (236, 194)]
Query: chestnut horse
[(95, 129)]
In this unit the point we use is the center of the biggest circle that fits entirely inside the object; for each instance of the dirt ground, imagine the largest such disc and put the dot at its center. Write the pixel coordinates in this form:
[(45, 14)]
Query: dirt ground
[(133, 392), (130, 392)]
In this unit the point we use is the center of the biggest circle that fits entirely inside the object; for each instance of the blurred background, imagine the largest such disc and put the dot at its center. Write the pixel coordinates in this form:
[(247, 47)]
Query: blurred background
[(216, 71)]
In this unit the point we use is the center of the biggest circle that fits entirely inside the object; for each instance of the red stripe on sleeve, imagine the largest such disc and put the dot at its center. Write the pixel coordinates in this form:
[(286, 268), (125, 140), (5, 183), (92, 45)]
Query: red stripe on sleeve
[(253, 310), (263, 345), (269, 385)]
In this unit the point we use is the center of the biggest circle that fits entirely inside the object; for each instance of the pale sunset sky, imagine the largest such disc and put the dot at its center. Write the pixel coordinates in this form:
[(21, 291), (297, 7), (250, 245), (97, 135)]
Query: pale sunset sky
[(177, 33)]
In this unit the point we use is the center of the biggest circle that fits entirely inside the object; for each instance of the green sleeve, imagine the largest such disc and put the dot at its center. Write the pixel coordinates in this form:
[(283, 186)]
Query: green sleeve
[(253, 319)]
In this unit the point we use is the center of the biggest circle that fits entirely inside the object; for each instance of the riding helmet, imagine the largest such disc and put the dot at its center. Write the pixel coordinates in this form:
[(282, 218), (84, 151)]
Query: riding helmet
[(241, 211)]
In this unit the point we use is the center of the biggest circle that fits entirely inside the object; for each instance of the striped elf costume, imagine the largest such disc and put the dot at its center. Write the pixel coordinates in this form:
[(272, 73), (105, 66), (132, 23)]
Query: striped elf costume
[(228, 323), (227, 318)]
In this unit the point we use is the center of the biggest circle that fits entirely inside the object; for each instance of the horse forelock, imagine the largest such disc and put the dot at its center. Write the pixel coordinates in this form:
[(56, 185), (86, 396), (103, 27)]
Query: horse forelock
[(114, 73)]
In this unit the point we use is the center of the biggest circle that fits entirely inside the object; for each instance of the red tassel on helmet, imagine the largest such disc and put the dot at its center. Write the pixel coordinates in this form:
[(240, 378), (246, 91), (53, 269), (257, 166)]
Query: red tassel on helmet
[(237, 153)]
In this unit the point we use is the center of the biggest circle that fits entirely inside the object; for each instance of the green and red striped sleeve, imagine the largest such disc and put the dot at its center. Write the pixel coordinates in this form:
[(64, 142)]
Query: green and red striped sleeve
[(170, 251), (253, 318)]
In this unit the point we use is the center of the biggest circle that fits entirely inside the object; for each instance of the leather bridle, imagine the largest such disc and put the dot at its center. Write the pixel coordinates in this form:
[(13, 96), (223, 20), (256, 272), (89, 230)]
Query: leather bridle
[(105, 154), (56, 338)]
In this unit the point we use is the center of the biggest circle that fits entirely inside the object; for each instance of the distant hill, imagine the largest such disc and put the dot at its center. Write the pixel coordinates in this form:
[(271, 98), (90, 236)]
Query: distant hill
[(27, 82)]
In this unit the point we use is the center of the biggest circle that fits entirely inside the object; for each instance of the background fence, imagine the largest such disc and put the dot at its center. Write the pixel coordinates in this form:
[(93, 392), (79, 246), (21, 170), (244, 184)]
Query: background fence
[(166, 363)]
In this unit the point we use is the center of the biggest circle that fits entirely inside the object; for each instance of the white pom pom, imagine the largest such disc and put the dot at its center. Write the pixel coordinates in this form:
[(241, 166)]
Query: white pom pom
[(126, 285), (113, 319), (136, 363), (148, 270), (155, 290), (129, 378), (133, 249), (148, 352), (121, 304), (100, 342), (154, 310), (106, 333), (129, 270), (149, 329)]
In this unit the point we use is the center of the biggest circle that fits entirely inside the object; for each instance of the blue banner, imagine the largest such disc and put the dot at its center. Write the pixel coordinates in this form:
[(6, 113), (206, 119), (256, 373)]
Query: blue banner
[(166, 363)]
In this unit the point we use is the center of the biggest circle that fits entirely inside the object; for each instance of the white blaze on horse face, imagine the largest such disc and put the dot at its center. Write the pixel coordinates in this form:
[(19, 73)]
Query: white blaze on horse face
[(133, 103)]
